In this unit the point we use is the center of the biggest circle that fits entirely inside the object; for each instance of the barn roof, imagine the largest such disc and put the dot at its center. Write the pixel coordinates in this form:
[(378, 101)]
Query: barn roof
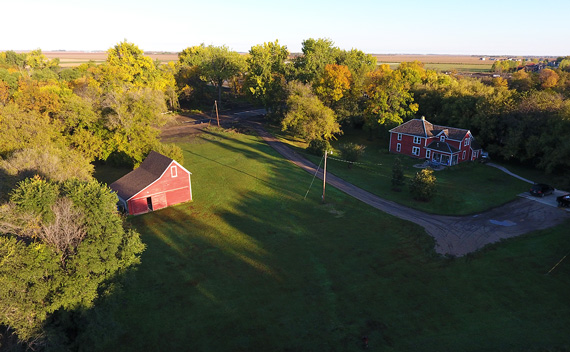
[(150, 170)]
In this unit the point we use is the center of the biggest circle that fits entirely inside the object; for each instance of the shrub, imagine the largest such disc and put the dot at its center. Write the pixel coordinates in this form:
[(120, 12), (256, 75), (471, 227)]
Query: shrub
[(423, 185), (398, 178), (318, 146), (172, 151), (351, 152)]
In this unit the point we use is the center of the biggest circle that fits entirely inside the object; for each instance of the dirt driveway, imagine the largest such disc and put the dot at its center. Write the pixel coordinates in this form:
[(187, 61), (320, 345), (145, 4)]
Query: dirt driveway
[(455, 235)]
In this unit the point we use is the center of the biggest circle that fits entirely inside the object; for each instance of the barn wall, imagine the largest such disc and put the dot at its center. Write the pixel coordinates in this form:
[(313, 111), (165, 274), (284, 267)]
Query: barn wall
[(138, 206), (164, 192)]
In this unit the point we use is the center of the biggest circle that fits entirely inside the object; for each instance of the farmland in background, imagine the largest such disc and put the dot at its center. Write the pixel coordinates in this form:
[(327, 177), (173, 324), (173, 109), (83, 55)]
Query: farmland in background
[(460, 63), (76, 58)]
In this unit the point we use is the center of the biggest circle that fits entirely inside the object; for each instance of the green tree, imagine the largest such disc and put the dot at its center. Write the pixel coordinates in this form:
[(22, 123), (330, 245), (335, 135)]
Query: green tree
[(351, 152), (133, 118), (35, 59), (389, 99), (398, 178), (317, 53), (75, 243), (216, 64), (307, 116), (266, 75), (318, 146), (15, 59), (26, 129), (423, 185)]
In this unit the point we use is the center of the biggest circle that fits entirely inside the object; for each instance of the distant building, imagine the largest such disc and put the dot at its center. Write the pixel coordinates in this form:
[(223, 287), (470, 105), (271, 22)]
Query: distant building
[(419, 138)]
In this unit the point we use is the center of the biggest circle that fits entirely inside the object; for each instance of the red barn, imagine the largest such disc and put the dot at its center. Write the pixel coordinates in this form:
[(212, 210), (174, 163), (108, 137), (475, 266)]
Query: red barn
[(421, 139), (157, 183)]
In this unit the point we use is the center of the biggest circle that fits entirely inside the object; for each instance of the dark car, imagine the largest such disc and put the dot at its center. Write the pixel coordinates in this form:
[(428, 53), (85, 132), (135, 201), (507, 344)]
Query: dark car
[(541, 190), (564, 200), (484, 158)]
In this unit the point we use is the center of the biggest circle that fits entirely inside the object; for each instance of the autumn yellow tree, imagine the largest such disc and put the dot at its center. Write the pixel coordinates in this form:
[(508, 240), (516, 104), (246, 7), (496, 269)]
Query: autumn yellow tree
[(548, 78), (333, 84)]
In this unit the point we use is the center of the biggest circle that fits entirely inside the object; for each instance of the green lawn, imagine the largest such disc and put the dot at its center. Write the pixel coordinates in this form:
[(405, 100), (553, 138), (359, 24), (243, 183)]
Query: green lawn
[(462, 189), (251, 266)]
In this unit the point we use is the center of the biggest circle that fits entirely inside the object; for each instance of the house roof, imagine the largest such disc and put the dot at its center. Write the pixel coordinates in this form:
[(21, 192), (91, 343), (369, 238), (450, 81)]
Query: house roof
[(442, 147), (423, 128), (475, 145), (150, 170)]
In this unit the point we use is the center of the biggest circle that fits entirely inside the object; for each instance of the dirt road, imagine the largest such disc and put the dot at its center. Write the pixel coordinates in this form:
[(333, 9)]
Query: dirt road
[(455, 235)]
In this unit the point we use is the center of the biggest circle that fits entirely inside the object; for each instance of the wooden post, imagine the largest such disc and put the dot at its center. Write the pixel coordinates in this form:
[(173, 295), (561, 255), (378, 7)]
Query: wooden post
[(217, 117), (325, 176)]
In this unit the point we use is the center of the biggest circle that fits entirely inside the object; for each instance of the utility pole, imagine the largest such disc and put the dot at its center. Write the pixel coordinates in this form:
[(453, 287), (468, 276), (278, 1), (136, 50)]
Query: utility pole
[(325, 175), (217, 117)]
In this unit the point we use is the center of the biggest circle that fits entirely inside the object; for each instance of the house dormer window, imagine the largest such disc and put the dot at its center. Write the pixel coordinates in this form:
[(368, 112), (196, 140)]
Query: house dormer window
[(399, 136), (442, 138), (173, 171), (417, 140)]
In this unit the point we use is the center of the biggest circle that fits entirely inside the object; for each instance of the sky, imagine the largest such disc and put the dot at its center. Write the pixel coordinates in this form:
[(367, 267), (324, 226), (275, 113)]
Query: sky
[(482, 27)]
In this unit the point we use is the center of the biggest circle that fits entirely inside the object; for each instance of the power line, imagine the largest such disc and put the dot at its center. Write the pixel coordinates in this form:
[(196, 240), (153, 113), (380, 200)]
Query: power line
[(560, 261), (313, 180)]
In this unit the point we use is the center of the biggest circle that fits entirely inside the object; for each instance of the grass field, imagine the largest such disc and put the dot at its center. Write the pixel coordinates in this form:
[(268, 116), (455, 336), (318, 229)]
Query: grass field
[(463, 189), (251, 266)]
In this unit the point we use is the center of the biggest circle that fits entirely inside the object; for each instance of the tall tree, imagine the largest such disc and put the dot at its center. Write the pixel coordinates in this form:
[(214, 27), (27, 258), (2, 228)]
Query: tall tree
[(548, 78), (58, 256), (215, 64), (133, 118), (317, 53), (266, 75), (389, 99), (333, 84), (307, 116)]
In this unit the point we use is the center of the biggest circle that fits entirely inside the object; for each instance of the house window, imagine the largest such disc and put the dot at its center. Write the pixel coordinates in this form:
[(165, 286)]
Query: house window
[(173, 171), (398, 147), (467, 141), (416, 151), (442, 138), (475, 155), (399, 136), (463, 157), (428, 154), (417, 140)]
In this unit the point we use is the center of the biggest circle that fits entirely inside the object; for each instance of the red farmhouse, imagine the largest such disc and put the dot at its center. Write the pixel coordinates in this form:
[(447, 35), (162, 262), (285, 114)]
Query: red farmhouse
[(447, 145), (157, 183)]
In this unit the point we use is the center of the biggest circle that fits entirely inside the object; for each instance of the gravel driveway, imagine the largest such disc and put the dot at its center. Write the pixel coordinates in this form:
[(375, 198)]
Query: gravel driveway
[(455, 235)]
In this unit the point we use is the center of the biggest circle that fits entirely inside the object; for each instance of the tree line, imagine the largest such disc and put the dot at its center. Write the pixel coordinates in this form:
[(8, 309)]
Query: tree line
[(523, 118)]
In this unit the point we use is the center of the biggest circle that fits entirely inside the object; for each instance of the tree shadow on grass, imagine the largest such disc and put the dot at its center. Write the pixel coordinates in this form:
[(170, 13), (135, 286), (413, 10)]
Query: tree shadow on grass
[(259, 271)]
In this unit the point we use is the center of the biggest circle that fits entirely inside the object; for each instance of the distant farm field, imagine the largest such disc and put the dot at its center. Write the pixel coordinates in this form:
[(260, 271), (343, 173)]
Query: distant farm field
[(442, 63), (76, 58), (461, 63)]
